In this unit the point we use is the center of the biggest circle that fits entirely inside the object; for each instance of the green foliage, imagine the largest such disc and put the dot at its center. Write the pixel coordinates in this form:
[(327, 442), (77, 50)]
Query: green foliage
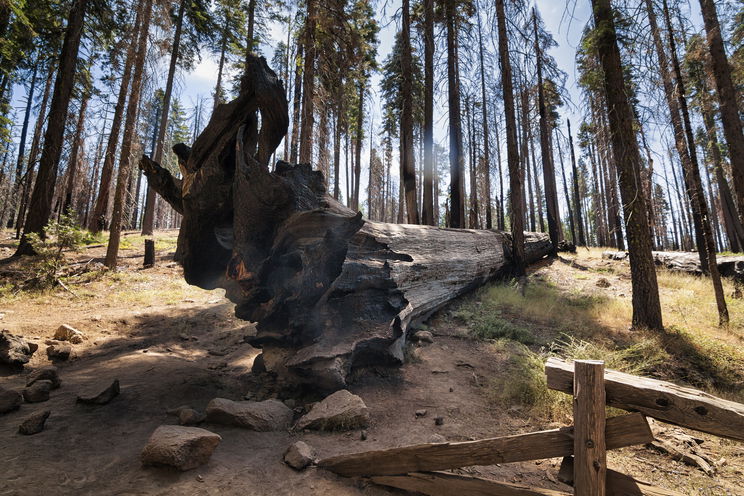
[(58, 236)]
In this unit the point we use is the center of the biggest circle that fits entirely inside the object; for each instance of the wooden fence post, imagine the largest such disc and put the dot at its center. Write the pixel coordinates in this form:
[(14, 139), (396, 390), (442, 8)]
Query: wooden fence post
[(590, 464)]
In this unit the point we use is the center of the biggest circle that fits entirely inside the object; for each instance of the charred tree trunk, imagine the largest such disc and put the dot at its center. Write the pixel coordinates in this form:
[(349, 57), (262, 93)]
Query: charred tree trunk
[(330, 291)]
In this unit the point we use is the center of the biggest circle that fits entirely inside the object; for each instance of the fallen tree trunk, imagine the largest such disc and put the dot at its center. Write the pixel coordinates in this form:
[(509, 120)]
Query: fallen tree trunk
[(689, 262), (329, 290)]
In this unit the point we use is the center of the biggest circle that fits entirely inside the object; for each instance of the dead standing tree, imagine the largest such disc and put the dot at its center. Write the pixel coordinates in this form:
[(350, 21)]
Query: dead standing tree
[(329, 290)]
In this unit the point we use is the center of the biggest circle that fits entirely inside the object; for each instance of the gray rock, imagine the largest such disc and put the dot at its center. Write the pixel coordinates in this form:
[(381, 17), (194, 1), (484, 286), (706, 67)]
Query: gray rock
[(14, 350), (437, 438), (182, 447), (339, 411), (259, 366), (10, 400), (103, 397), (189, 416), (176, 411), (269, 415), (421, 413), (299, 455), (37, 392), (438, 420), (35, 423), (423, 337), (68, 333), (59, 351), (48, 373)]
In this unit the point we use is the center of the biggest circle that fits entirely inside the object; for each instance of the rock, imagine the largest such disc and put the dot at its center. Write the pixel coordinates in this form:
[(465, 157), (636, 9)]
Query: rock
[(339, 411), (290, 402), (48, 373), (103, 397), (182, 447), (35, 423), (59, 351), (437, 438), (438, 420), (258, 367), (189, 416), (10, 400), (423, 337), (602, 282), (421, 413), (363, 435), (68, 333), (269, 415), (14, 350), (37, 392), (177, 411), (299, 455)]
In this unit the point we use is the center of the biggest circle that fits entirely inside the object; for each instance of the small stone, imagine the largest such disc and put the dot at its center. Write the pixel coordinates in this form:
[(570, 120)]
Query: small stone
[(262, 416), (421, 413), (290, 402), (182, 447), (37, 392), (423, 337), (103, 397), (339, 411), (438, 420), (602, 282), (199, 478), (363, 435), (14, 350), (452, 390), (10, 400), (189, 416), (259, 366), (437, 438), (299, 455), (59, 351), (48, 373), (35, 423), (68, 333), (176, 411)]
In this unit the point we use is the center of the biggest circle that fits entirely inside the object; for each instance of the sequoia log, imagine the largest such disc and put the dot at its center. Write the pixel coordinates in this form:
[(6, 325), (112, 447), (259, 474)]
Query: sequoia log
[(328, 289)]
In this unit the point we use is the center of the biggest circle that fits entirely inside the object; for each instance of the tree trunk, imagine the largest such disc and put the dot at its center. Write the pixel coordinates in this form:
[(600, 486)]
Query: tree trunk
[(551, 190), (571, 223), (576, 194), (515, 180), (427, 208), (646, 305), (40, 205), (484, 116), (22, 143), (457, 161), (149, 212), (77, 144), (730, 117), (330, 291), (100, 211), (221, 65), (296, 104), (308, 85), (129, 129), (358, 148)]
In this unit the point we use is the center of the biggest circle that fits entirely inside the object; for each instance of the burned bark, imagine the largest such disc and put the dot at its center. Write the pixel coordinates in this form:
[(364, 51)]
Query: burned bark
[(330, 291)]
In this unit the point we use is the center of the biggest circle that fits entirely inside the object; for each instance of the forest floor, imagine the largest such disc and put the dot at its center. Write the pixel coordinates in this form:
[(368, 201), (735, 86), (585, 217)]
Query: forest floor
[(171, 344)]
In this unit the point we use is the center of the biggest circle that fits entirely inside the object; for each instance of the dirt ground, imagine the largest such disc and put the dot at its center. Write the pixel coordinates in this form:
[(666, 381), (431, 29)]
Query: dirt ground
[(170, 344)]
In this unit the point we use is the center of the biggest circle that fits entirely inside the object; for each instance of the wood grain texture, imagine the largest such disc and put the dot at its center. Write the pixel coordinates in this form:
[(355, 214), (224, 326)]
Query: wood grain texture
[(617, 483), (665, 401), (445, 484), (590, 455), (625, 430)]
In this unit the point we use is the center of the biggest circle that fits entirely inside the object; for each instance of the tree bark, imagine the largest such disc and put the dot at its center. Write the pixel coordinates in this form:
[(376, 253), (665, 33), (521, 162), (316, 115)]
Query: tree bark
[(457, 161), (576, 194), (40, 205), (77, 144), (308, 85), (427, 208), (486, 137), (646, 304)]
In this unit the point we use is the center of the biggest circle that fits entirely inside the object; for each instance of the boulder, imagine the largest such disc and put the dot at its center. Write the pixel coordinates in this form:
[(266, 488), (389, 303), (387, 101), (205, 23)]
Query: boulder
[(103, 397), (37, 392), (68, 333), (269, 415), (339, 411), (189, 416), (58, 351), (14, 350), (423, 337), (48, 373), (35, 423), (182, 447), (10, 400), (299, 455)]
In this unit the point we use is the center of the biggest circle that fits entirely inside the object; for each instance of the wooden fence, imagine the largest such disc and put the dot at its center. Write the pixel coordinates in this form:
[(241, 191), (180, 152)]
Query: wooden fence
[(583, 446)]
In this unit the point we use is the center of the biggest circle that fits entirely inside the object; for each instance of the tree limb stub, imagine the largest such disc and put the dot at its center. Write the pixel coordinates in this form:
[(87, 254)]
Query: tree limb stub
[(329, 290)]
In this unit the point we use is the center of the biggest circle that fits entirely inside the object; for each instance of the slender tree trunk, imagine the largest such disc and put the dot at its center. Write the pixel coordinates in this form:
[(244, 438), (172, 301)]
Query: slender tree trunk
[(457, 161), (358, 149), (22, 142), (296, 104), (730, 117), (576, 193), (502, 221), (40, 205), (149, 219), (125, 165), (427, 209), (515, 182), (484, 117), (308, 85), (571, 223), (251, 31), (407, 160), (77, 144), (646, 304), (529, 202), (218, 86)]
